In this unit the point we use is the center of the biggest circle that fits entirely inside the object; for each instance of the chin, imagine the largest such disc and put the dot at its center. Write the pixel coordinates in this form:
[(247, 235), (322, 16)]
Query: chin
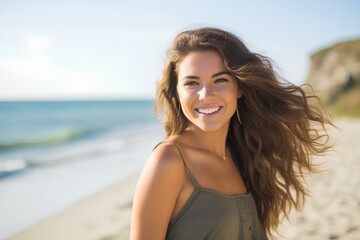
[(210, 127)]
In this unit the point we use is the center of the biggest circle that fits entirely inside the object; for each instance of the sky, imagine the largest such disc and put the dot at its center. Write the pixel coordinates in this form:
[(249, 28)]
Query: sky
[(87, 49)]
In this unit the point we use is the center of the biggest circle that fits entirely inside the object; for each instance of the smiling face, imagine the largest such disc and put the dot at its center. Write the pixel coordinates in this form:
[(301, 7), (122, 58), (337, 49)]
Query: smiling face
[(207, 92)]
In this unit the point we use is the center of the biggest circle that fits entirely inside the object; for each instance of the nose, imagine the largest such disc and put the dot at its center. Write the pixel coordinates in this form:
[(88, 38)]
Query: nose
[(206, 93)]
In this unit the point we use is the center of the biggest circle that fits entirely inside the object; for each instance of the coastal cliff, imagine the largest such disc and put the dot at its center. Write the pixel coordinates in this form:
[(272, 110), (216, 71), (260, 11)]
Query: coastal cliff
[(335, 76)]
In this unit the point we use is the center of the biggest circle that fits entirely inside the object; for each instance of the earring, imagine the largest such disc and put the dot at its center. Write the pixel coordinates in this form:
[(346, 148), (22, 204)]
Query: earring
[(238, 116)]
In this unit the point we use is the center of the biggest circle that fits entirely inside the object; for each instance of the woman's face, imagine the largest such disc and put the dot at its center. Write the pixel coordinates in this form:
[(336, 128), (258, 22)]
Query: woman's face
[(207, 92)]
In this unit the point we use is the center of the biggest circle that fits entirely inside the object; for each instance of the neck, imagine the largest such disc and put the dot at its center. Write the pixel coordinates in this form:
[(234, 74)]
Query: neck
[(214, 141)]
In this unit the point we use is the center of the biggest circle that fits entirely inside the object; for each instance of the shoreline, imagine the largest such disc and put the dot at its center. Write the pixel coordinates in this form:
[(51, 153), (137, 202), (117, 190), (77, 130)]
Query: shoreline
[(103, 216), (45, 191)]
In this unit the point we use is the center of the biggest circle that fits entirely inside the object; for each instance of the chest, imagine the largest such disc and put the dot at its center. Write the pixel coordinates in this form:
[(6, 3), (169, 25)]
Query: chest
[(212, 215)]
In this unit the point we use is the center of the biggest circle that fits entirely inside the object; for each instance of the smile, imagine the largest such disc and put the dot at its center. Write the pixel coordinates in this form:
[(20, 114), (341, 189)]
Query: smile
[(208, 110)]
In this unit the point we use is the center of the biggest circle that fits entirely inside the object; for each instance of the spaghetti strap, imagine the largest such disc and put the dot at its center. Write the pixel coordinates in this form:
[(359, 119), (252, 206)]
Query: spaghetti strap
[(193, 180)]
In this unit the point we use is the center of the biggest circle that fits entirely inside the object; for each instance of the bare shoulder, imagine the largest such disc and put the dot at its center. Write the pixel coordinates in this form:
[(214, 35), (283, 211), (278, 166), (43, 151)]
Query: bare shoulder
[(165, 156), (164, 165), (158, 188)]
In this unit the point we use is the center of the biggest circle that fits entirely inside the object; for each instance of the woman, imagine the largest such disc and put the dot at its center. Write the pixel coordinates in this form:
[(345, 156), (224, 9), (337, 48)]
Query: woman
[(237, 144)]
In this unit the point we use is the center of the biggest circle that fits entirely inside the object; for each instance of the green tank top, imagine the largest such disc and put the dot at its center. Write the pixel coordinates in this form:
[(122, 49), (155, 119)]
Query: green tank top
[(211, 215)]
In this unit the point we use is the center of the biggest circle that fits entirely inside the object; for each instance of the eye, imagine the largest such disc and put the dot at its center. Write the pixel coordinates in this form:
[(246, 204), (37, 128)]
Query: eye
[(191, 83), (221, 80)]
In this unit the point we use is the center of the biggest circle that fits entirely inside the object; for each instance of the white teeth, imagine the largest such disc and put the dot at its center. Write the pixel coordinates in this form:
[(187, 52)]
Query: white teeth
[(208, 110)]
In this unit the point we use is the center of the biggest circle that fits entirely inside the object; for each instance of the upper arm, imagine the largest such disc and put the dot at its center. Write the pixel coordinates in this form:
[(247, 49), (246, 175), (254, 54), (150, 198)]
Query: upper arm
[(156, 192)]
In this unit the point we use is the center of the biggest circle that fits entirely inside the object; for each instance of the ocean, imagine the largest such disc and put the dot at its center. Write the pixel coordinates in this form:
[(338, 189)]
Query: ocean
[(56, 153)]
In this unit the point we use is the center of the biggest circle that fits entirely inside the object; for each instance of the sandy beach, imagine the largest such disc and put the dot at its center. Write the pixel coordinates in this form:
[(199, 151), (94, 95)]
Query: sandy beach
[(333, 210), (331, 213)]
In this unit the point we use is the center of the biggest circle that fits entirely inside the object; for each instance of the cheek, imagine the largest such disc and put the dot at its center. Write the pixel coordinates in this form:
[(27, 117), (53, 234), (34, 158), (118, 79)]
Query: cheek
[(187, 102), (184, 96), (233, 96)]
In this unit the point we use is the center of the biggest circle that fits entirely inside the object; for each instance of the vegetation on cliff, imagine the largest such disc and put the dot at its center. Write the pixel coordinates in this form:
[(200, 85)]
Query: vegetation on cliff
[(335, 76)]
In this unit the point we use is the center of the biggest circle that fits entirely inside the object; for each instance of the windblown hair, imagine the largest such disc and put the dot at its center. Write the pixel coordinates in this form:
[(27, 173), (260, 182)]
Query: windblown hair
[(279, 130)]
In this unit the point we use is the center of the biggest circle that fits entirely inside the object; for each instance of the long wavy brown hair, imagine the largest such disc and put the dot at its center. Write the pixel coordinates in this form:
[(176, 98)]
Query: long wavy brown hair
[(279, 130)]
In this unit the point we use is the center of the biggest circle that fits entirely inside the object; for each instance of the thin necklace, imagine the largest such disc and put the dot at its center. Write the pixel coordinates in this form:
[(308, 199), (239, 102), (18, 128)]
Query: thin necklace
[(218, 155), (222, 157)]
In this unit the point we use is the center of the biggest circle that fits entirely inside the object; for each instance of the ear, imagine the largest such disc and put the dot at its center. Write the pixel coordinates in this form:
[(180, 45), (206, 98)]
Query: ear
[(239, 93)]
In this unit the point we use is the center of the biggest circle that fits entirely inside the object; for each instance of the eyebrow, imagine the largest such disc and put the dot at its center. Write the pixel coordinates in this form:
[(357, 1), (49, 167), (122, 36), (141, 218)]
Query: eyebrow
[(220, 73), (213, 76)]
